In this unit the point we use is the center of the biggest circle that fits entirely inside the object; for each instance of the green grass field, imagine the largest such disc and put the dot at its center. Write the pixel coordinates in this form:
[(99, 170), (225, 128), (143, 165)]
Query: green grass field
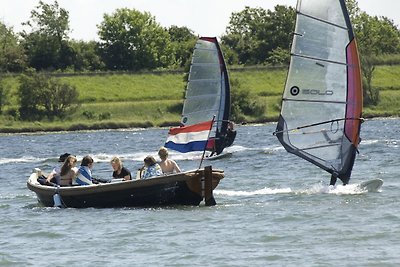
[(146, 100)]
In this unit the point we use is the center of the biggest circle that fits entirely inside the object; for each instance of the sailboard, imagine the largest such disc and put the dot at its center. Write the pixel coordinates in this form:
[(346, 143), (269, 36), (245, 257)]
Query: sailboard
[(208, 93), (373, 185), (321, 108)]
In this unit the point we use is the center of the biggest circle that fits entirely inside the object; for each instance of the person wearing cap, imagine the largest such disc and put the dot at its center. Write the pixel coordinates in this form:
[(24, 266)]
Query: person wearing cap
[(54, 176)]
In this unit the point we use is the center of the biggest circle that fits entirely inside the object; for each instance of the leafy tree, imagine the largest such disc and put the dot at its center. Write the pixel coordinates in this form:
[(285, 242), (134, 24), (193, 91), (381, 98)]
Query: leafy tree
[(3, 95), (375, 36), (47, 44), (86, 56), (131, 40), (183, 40), (244, 103), (12, 57), (40, 96), (254, 33), (242, 33), (230, 56)]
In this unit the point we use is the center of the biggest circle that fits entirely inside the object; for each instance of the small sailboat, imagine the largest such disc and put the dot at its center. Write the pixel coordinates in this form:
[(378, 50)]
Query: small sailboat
[(321, 110), (208, 94)]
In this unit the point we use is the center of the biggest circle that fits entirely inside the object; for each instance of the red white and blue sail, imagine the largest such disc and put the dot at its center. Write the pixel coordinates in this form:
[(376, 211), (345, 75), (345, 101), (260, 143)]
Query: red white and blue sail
[(322, 102), (208, 91)]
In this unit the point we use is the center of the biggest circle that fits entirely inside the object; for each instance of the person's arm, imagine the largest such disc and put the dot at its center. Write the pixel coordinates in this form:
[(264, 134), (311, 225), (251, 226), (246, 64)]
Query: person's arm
[(126, 174), (51, 175), (176, 167)]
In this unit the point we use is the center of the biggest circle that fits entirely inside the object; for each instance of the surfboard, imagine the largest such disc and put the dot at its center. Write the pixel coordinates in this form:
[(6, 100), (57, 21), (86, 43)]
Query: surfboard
[(371, 185), (222, 155)]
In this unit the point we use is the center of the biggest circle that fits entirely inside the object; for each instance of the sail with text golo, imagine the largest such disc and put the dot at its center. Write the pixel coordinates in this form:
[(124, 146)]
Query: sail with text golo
[(208, 91), (322, 101)]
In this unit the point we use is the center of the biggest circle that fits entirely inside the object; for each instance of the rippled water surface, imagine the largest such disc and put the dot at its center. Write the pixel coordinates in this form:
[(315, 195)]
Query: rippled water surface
[(273, 209)]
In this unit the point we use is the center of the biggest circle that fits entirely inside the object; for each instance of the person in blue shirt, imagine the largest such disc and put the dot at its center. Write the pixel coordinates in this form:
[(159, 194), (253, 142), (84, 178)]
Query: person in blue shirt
[(84, 176), (150, 168)]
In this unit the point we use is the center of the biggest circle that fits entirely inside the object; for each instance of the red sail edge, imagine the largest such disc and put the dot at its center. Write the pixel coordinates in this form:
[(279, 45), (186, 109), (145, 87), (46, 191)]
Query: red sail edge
[(354, 94)]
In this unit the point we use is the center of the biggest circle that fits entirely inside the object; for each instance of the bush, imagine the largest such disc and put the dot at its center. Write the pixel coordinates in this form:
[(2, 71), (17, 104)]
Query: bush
[(88, 114), (386, 59), (104, 116), (244, 103), (279, 56), (2, 96), (42, 96)]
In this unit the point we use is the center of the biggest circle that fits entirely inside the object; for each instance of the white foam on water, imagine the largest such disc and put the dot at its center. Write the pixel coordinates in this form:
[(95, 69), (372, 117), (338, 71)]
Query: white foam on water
[(350, 189), (264, 191)]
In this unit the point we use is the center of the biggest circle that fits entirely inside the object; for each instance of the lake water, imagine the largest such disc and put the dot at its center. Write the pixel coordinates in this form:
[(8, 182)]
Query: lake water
[(273, 208)]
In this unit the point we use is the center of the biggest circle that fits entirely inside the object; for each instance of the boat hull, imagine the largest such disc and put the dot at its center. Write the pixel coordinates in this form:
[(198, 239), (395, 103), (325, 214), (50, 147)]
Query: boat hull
[(188, 188)]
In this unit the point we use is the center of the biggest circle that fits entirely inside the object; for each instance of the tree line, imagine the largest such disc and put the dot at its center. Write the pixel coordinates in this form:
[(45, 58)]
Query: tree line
[(131, 40)]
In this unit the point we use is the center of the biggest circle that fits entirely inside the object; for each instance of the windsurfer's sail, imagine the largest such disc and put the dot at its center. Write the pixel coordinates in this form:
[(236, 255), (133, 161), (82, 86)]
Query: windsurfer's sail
[(322, 102), (208, 91)]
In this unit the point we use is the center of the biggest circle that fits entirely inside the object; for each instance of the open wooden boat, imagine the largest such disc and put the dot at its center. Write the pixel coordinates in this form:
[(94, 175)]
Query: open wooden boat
[(187, 188)]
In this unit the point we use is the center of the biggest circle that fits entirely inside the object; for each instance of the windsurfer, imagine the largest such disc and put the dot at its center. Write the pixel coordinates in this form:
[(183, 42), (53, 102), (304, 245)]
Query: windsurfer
[(225, 140), (345, 178), (230, 134)]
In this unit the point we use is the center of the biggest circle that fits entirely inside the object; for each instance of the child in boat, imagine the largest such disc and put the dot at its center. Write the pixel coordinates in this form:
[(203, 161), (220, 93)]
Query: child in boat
[(54, 176), (84, 176), (119, 170), (150, 168), (68, 171), (167, 165)]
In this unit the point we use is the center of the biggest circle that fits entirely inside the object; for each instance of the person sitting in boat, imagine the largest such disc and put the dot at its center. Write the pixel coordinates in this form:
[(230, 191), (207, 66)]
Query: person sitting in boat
[(119, 170), (54, 175), (167, 165), (151, 168), (68, 171), (84, 176)]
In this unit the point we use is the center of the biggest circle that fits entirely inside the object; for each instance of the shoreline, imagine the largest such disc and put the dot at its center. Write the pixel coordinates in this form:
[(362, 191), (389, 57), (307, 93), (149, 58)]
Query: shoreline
[(125, 126)]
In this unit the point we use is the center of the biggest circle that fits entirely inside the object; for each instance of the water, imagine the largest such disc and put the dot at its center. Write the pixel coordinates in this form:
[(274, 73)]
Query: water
[(273, 209)]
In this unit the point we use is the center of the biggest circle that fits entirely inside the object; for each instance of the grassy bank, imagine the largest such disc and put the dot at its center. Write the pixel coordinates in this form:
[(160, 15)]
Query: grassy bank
[(147, 100)]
